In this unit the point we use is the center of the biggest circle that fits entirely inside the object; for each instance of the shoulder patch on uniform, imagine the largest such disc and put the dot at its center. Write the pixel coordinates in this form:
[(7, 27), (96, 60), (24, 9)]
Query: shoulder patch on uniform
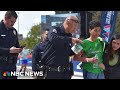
[(54, 30), (14, 32)]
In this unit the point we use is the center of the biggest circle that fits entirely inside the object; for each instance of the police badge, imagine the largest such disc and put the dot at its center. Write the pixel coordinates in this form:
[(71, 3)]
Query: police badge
[(14, 32), (54, 30)]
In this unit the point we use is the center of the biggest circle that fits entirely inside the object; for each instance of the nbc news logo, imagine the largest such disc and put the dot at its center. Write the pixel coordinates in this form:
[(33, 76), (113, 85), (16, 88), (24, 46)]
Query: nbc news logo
[(16, 73)]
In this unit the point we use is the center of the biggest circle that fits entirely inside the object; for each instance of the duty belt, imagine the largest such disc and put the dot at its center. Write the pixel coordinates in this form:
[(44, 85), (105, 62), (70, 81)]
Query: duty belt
[(6, 58), (3, 58), (59, 68), (62, 68)]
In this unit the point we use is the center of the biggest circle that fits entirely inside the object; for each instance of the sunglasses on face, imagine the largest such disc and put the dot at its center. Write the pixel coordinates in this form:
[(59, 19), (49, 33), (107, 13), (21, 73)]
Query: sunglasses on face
[(76, 21)]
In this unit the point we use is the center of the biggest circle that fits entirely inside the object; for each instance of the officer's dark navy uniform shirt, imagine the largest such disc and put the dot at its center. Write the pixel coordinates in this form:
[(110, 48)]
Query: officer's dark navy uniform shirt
[(57, 47), (37, 54), (8, 39)]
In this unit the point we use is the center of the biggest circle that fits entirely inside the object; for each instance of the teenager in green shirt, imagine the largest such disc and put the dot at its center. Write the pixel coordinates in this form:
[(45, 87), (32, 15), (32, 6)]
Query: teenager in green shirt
[(92, 46)]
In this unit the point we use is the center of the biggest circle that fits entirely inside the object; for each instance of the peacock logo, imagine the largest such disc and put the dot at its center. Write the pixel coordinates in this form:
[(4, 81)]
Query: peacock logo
[(6, 73)]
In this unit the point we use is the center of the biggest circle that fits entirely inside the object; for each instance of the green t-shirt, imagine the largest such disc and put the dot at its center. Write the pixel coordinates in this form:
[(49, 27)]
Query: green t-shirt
[(90, 49)]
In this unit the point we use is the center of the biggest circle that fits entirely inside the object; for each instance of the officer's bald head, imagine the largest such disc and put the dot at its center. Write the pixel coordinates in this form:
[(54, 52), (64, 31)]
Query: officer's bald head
[(72, 18), (71, 24)]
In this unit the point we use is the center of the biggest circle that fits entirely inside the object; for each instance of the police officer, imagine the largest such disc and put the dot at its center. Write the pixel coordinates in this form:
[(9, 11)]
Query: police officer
[(38, 51), (55, 59), (9, 45)]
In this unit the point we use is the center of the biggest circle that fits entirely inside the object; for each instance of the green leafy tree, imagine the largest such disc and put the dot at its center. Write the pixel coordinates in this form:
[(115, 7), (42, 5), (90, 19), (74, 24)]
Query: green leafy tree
[(117, 26), (33, 37), (22, 42), (96, 15)]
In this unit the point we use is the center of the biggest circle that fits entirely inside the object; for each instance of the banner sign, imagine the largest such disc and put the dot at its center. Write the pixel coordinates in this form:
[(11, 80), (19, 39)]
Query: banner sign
[(108, 21)]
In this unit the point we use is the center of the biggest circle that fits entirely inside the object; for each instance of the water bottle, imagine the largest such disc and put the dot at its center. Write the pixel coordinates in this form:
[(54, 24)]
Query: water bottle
[(95, 65)]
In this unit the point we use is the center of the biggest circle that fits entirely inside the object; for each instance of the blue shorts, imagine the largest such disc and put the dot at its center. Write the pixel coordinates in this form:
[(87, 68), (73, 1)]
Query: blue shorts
[(24, 61)]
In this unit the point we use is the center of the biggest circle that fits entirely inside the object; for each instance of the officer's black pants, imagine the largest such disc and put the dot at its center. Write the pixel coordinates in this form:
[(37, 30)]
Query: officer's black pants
[(4, 68), (58, 75)]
